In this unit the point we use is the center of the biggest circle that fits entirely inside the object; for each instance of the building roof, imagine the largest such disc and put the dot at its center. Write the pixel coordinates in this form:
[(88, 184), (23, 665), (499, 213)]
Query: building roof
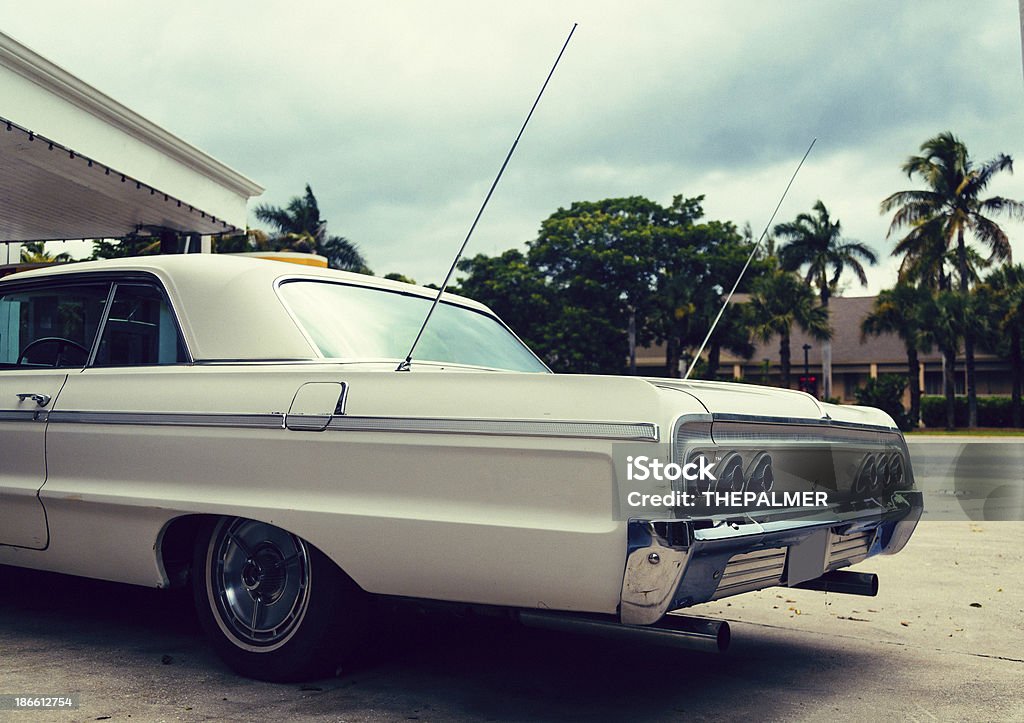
[(848, 348), (78, 164)]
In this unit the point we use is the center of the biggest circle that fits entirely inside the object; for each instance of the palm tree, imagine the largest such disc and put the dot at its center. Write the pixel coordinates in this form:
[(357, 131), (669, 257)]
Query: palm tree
[(1000, 305), (945, 323), (816, 243), (927, 264), (900, 311), (300, 228), (34, 252), (732, 334), (252, 239), (949, 208), (780, 300)]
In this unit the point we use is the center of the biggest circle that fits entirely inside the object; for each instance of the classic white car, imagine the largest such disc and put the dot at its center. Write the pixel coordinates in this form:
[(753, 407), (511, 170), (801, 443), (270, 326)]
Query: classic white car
[(239, 425)]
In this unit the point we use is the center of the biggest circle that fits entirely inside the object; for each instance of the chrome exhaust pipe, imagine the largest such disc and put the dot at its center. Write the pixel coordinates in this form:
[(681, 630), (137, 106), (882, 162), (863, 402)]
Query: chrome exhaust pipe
[(843, 581), (677, 631)]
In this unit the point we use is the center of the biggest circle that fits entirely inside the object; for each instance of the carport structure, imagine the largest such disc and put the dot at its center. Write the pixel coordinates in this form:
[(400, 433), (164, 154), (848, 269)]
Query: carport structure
[(77, 164)]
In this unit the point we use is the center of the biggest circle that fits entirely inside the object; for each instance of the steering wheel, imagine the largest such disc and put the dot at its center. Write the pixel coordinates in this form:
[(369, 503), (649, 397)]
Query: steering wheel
[(61, 345)]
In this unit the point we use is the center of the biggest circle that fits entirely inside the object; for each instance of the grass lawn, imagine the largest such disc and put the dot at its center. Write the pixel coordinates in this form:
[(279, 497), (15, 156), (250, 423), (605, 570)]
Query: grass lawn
[(964, 432)]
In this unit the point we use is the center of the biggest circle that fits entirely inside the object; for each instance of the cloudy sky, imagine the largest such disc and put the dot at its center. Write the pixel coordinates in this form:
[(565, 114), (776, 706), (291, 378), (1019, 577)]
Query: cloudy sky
[(399, 113)]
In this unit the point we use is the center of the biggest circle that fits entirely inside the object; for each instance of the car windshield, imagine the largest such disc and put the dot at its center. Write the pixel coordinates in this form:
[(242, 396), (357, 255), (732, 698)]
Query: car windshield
[(357, 322)]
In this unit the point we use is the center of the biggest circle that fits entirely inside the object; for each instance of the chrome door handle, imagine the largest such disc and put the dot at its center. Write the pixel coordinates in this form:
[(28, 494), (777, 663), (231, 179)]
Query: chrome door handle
[(41, 399)]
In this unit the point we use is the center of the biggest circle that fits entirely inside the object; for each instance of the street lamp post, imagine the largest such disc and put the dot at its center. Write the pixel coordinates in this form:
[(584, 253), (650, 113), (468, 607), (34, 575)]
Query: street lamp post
[(806, 386)]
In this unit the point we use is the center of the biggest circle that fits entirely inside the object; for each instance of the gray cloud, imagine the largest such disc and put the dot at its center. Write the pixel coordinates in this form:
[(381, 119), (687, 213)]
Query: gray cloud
[(399, 113)]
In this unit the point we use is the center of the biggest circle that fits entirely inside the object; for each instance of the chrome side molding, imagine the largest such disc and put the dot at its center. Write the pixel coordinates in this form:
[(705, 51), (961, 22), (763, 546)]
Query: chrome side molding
[(626, 431)]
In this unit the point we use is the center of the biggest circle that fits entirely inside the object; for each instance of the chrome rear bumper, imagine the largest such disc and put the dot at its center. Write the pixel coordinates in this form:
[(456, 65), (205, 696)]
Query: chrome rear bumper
[(676, 563)]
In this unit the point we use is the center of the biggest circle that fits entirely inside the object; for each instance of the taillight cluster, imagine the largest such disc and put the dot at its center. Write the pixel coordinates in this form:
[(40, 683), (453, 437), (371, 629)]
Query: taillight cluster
[(879, 473), (858, 473)]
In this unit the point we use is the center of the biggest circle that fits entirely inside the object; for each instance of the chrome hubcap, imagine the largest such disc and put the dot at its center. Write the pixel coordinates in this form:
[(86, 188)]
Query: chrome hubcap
[(259, 581)]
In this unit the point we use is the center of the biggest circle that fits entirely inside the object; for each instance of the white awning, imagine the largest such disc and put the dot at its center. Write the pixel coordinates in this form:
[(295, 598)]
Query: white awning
[(74, 163)]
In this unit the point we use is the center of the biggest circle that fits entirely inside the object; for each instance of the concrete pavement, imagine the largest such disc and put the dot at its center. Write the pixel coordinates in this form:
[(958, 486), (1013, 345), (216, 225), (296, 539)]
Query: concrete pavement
[(944, 640)]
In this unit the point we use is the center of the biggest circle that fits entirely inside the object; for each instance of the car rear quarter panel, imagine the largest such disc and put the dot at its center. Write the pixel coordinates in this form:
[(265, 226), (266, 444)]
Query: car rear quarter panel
[(494, 519)]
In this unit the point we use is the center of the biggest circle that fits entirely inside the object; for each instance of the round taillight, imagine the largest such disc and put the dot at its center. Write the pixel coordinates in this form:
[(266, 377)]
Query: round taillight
[(761, 477), (697, 484), (866, 475), (881, 473), (729, 472), (895, 471)]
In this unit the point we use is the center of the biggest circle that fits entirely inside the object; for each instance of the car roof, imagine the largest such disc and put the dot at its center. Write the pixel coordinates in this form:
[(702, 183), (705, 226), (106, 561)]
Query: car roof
[(226, 305)]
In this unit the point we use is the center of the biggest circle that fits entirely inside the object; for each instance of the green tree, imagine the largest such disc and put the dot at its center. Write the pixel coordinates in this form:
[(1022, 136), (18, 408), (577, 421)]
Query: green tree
[(604, 276), (946, 324), (252, 239), (886, 393), (601, 260), (780, 300), (300, 228), (815, 244), (950, 207), (520, 295), (34, 252), (131, 245), (902, 311), (699, 265), (999, 305)]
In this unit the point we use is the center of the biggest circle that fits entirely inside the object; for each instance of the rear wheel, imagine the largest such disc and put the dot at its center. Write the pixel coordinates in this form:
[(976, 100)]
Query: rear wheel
[(274, 606)]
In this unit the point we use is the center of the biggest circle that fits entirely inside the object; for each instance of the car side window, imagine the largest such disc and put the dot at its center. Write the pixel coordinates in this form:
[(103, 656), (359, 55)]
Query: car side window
[(140, 329), (52, 326)]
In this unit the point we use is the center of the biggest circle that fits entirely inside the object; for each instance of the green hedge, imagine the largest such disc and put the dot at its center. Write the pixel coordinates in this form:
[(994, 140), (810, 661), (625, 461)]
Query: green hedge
[(992, 411), (886, 393)]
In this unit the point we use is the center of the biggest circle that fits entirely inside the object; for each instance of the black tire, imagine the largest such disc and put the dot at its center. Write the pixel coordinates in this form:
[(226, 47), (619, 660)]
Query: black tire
[(274, 607)]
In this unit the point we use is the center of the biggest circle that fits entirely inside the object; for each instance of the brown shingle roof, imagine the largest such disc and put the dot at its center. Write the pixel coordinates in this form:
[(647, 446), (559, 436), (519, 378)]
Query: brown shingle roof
[(846, 313)]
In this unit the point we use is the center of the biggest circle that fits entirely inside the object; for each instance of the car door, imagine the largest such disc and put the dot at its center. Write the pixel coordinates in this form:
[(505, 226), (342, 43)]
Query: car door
[(46, 332)]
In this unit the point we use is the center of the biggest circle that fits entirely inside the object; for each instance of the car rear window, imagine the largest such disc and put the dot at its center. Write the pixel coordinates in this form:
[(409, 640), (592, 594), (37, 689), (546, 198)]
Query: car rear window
[(355, 322)]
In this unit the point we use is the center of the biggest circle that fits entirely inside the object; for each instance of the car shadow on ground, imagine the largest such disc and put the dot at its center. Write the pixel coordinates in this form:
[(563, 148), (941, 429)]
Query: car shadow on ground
[(416, 666)]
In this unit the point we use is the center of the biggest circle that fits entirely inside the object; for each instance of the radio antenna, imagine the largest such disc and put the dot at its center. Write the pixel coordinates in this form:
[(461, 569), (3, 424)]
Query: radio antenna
[(750, 258), (405, 365)]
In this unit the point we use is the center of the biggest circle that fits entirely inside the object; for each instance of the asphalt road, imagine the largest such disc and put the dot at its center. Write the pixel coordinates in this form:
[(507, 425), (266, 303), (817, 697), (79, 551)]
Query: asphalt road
[(944, 640)]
